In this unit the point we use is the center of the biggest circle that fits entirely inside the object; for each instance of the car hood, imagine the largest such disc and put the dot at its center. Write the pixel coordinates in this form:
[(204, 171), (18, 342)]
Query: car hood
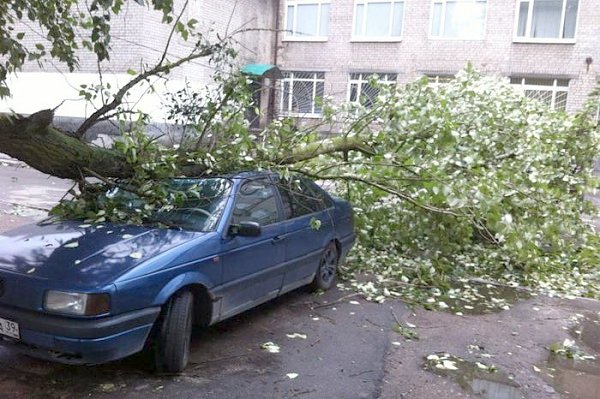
[(83, 254)]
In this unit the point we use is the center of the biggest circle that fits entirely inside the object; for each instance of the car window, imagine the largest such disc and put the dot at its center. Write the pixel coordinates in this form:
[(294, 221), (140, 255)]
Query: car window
[(199, 203), (256, 202), (202, 206), (301, 196)]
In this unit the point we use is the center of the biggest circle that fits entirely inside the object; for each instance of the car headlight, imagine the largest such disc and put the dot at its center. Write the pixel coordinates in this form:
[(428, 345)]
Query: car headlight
[(75, 303)]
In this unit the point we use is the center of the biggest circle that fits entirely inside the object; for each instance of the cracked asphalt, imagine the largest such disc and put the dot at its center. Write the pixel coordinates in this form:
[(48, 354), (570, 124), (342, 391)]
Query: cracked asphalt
[(350, 351)]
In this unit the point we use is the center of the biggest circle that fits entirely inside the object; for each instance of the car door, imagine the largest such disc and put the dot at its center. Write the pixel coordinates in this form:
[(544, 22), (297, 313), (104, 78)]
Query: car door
[(252, 266), (303, 205)]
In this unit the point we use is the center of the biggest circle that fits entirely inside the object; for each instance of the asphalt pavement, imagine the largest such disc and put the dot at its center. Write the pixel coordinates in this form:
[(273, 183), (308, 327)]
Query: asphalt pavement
[(334, 345)]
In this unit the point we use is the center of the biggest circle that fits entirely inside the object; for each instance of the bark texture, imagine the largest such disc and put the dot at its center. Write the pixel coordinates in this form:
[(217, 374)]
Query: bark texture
[(33, 141)]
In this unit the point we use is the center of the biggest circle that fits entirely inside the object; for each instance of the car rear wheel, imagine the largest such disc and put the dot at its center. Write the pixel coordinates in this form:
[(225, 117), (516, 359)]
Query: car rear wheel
[(327, 270), (174, 335)]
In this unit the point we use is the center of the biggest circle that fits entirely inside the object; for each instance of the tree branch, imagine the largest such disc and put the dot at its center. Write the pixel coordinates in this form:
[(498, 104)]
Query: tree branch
[(118, 98), (324, 147), (33, 141), (388, 190), (164, 55)]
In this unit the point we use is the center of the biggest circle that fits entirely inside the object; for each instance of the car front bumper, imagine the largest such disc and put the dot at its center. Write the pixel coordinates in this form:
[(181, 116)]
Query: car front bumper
[(80, 341)]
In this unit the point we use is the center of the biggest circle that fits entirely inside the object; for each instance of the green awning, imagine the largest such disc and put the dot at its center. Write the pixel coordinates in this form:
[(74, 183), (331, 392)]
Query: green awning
[(264, 70)]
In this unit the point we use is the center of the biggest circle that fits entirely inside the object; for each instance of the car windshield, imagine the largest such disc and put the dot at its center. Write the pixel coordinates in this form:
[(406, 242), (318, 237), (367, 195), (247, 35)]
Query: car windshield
[(200, 203)]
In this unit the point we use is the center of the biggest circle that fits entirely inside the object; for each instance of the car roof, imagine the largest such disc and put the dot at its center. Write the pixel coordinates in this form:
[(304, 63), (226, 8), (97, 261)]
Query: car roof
[(244, 175)]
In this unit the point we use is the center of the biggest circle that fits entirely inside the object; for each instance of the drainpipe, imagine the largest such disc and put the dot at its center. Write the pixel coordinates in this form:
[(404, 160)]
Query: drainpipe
[(274, 60)]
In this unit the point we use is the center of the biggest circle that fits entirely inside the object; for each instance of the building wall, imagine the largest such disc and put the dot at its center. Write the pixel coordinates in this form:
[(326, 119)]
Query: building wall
[(138, 41), (417, 53)]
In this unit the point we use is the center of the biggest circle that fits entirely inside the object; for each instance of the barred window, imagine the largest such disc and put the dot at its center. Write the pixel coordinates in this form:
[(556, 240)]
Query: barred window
[(302, 93), (438, 80), (361, 89), (551, 91)]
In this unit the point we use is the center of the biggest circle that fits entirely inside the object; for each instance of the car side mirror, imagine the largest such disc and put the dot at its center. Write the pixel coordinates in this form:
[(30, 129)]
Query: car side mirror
[(245, 229)]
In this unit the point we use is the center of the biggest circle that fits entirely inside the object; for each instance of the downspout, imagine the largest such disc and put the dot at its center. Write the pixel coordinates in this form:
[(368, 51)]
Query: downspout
[(274, 60)]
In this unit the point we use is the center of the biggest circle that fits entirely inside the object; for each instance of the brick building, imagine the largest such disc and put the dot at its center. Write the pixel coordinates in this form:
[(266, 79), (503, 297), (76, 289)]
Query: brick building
[(548, 48), (138, 41)]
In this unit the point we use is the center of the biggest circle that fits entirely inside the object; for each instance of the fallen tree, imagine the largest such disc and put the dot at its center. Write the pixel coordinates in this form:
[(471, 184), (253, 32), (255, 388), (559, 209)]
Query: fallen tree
[(469, 178)]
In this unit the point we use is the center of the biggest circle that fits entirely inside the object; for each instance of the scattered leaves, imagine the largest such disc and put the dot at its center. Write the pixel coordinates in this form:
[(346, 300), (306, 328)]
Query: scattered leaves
[(270, 347)]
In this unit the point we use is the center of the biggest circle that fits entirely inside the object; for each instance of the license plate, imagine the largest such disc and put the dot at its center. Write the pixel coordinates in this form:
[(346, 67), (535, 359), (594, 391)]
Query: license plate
[(9, 328)]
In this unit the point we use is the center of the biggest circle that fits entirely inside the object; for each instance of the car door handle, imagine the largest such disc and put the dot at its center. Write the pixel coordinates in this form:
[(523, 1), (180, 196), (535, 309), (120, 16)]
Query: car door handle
[(277, 239)]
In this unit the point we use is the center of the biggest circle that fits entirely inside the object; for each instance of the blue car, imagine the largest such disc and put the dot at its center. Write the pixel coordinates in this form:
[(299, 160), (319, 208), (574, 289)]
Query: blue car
[(88, 294)]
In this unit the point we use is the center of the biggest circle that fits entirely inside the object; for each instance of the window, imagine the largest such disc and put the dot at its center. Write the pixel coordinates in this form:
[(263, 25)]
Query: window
[(550, 91), (301, 196), (256, 202), (361, 89), (439, 80), (378, 19), (547, 19), (302, 93), (201, 205), (307, 19), (459, 19)]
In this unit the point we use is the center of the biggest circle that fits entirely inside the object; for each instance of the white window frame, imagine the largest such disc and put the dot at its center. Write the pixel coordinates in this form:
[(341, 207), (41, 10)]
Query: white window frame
[(389, 37), (287, 110), (438, 80), (441, 36), (554, 89), (365, 78), (528, 39), (289, 34)]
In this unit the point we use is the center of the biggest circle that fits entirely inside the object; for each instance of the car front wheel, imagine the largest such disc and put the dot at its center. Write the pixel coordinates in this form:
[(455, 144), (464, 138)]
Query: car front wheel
[(174, 334), (327, 270)]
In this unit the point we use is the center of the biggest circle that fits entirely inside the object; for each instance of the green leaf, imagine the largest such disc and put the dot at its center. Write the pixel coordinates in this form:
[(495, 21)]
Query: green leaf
[(192, 23)]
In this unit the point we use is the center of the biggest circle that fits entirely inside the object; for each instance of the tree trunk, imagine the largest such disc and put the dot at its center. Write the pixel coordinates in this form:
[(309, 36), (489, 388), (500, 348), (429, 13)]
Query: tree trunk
[(33, 141)]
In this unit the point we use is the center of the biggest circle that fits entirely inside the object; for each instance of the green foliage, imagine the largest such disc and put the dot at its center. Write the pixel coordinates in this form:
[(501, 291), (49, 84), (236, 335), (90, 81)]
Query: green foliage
[(569, 350), (154, 166), (467, 178), (472, 178), (463, 179)]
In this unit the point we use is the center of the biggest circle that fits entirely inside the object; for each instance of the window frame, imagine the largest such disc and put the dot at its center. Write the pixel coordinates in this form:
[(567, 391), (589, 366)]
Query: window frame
[(557, 40), (287, 111), (280, 186), (268, 183), (554, 88), (389, 38), (443, 23), (289, 35), (362, 81), (438, 80)]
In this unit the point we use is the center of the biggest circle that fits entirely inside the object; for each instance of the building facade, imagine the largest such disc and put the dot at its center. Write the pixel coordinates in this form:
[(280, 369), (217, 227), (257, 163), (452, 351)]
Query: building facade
[(550, 49), (138, 41)]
